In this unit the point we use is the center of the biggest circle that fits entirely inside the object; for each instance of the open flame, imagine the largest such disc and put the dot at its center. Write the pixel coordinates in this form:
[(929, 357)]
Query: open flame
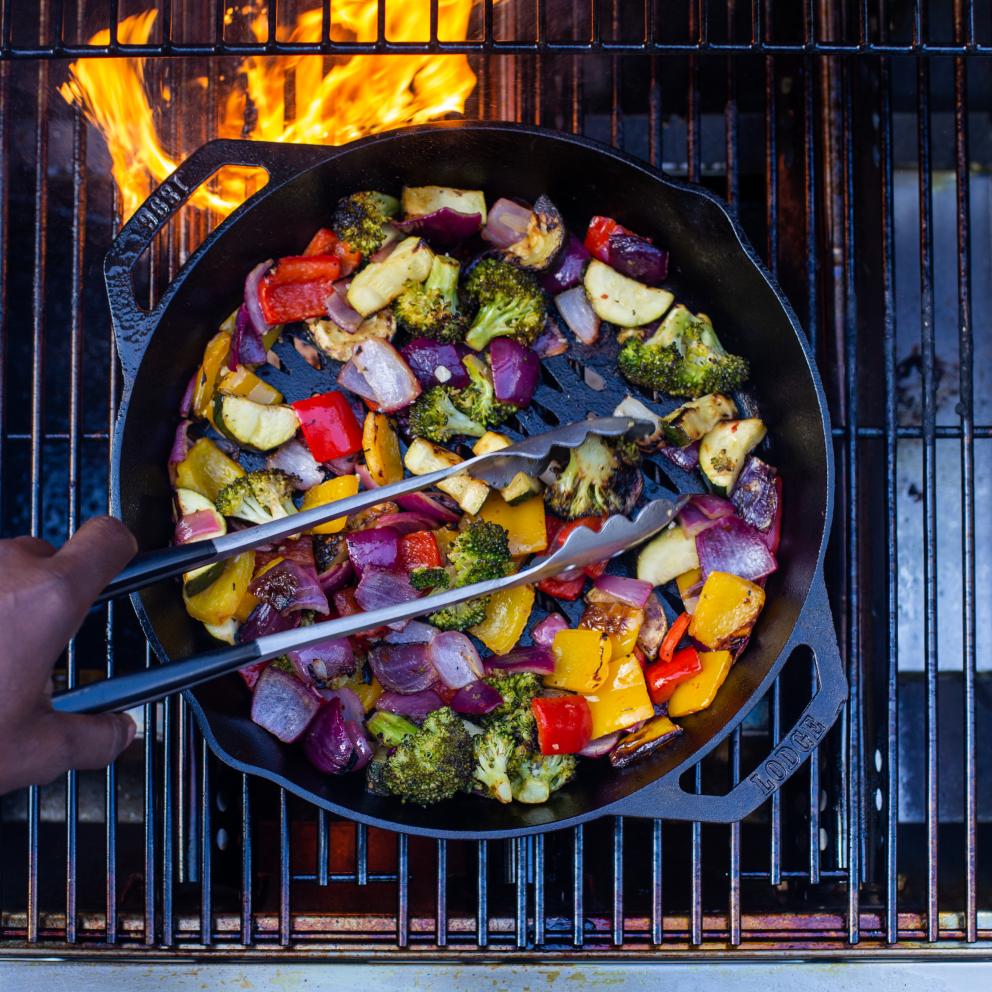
[(356, 96)]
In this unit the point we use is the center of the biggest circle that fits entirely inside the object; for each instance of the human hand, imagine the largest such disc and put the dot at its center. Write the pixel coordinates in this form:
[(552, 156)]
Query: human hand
[(44, 597)]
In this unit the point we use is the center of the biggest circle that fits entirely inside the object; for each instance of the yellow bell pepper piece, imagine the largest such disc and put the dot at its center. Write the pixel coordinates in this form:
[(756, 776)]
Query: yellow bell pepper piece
[(214, 356), (582, 659), (206, 469), (329, 492), (524, 522), (686, 582), (507, 613), (620, 623), (622, 700), (699, 691), (244, 382), (368, 692), (726, 611), (382, 450), (221, 599)]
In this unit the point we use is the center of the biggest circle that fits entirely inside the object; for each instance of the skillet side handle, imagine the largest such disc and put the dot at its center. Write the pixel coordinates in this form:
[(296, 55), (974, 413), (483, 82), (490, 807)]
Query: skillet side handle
[(133, 324), (815, 629)]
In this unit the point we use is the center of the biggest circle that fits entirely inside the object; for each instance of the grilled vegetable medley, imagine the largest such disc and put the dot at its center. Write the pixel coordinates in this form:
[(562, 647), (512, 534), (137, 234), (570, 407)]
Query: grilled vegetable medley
[(431, 314)]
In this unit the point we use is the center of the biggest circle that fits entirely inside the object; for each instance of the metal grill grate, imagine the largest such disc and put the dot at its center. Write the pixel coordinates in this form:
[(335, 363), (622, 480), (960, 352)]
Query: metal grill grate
[(855, 176)]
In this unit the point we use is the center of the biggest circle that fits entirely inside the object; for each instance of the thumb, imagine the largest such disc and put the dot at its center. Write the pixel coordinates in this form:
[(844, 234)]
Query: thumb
[(87, 741)]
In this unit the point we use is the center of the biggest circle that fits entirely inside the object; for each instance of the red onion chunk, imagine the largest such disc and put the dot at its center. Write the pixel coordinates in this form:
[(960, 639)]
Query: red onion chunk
[(476, 699), (405, 523), (365, 478), (253, 306), (444, 227), (414, 632), (414, 706), (392, 383), (336, 577), (340, 311), (601, 746), (539, 660), (351, 705), (351, 379), (703, 511), (633, 592), (334, 745), (730, 545), (180, 445), (544, 632), (436, 363), (637, 258), (381, 587), (568, 268), (755, 496), (428, 506), (516, 371), (773, 535), (455, 658), (345, 465), (582, 321), (506, 223), (282, 705), (686, 458), (295, 460), (196, 526), (404, 668), (550, 341), (290, 586), (654, 627), (266, 619), (186, 403), (319, 663), (250, 674), (377, 546), (246, 342)]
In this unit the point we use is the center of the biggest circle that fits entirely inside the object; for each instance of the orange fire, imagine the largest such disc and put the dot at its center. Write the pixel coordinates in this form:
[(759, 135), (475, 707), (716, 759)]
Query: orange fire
[(356, 96)]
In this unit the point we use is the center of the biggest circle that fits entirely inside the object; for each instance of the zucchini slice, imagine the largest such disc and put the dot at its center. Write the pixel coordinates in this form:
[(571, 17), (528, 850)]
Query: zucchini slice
[(623, 301), (187, 502), (695, 419), (723, 450), (254, 424), (667, 556), (537, 249), (630, 406), (418, 201), (522, 486), (379, 283)]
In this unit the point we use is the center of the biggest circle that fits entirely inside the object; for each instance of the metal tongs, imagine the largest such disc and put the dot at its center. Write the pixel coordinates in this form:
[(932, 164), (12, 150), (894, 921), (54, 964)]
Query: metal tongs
[(531, 456)]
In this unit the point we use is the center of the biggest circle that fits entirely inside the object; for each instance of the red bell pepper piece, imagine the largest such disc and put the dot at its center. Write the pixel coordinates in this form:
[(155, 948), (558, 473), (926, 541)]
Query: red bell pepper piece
[(251, 673), (597, 240), (558, 530), (567, 589), (564, 723), (663, 677), (419, 550), (675, 634), (345, 605), (329, 426), (297, 287), (326, 242)]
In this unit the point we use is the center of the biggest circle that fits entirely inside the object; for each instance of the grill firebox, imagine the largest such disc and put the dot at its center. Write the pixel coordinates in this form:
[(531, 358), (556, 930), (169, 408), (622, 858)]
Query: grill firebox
[(853, 140)]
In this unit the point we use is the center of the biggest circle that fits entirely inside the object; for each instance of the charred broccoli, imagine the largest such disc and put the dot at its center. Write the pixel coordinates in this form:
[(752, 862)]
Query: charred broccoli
[(362, 220), (683, 357), (497, 749), (602, 477), (435, 417), (430, 309), (434, 763), (478, 399), (535, 776), (518, 689), (258, 496), (479, 553), (390, 728), (510, 303)]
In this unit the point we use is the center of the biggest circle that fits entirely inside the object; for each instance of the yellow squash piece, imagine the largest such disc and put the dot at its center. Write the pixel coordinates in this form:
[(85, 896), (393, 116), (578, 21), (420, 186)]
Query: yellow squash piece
[(330, 491), (507, 613), (620, 623), (244, 382), (686, 582), (206, 469), (727, 609), (490, 441), (582, 658), (221, 599), (214, 356), (622, 700), (382, 450), (524, 523), (701, 689)]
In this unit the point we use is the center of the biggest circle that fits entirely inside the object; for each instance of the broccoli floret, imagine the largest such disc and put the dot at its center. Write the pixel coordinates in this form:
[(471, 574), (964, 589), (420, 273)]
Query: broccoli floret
[(435, 417), (390, 728), (434, 763), (478, 400), (683, 357), (430, 578), (480, 552), (510, 303), (494, 750), (536, 776), (602, 476), (518, 689), (258, 497), (430, 309), (361, 220)]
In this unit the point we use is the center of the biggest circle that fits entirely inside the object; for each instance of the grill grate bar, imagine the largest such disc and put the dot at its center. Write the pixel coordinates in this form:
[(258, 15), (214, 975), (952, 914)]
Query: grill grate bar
[(206, 849), (441, 919)]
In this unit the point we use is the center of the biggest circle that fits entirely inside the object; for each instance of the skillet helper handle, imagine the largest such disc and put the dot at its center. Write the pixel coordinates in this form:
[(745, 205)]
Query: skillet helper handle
[(132, 323), (815, 629), (150, 684), (148, 567)]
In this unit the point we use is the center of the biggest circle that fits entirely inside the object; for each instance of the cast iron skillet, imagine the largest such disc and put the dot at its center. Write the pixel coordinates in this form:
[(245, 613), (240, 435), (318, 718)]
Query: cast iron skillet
[(714, 269)]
